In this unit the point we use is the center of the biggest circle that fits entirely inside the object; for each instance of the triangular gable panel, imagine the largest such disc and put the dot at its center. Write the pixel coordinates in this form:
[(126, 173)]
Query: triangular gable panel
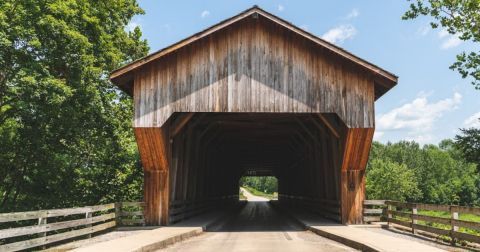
[(384, 81)]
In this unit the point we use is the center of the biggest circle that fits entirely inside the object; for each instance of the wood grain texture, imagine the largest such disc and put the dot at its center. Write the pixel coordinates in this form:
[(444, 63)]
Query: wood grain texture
[(355, 148), (155, 152), (384, 80), (253, 65)]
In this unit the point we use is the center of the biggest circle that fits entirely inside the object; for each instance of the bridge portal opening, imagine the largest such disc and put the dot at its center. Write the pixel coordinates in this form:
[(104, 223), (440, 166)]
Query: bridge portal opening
[(297, 154), (260, 185)]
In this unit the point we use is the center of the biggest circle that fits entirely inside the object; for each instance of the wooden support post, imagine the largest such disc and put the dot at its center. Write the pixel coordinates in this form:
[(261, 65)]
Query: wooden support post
[(454, 215), (355, 147), (42, 221), (118, 213), (155, 151), (414, 218), (87, 216), (389, 207)]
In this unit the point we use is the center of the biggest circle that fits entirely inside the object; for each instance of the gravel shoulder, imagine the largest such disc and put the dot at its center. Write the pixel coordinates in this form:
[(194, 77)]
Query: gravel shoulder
[(421, 239)]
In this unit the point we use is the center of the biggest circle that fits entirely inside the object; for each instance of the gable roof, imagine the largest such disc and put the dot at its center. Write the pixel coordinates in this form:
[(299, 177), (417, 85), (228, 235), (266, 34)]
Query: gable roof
[(123, 77)]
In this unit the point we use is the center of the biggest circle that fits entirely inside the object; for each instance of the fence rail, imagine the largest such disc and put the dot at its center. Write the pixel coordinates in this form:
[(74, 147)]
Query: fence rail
[(325, 207), (185, 209), (104, 218), (414, 217)]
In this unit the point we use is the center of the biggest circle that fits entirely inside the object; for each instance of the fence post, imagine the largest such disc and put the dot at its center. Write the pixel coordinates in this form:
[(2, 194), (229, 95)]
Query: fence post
[(389, 207), (87, 216), (118, 213), (414, 220), (454, 215), (42, 221)]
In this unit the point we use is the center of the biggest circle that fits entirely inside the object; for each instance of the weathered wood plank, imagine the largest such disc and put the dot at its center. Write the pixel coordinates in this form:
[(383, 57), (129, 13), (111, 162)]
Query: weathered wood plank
[(132, 221), (7, 217), (373, 218), (401, 204), (374, 202), (401, 214), (374, 211), (139, 204), (253, 66), (400, 222), (465, 210), (431, 229), (13, 232), (465, 236)]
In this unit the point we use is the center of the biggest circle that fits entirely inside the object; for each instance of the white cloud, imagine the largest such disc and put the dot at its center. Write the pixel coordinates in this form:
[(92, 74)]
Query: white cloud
[(304, 27), (472, 121), (132, 25), (378, 134), (442, 33), (417, 118), (355, 13), (423, 30), (166, 26), (205, 13), (451, 41), (340, 33), (281, 8)]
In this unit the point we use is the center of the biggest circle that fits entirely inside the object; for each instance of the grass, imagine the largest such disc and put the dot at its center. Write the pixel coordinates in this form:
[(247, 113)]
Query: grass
[(261, 194)]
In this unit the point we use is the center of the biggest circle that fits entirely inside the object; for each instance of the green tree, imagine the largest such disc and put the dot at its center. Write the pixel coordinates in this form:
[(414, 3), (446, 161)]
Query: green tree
[(390, 180), (459, 17), (469, 145), (442, 174), (262, 183), (65, 130)]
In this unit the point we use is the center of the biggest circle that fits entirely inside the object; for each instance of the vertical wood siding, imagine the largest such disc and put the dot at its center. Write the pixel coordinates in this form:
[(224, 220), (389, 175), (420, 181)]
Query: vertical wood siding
[(253, 65)]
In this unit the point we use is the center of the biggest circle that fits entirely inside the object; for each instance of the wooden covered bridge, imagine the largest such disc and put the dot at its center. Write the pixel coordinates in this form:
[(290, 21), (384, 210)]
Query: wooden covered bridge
[(253, 95)]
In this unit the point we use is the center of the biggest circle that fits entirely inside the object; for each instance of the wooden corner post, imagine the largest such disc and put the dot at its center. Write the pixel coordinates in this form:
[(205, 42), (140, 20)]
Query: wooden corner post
[(354, 151), (154, 147)]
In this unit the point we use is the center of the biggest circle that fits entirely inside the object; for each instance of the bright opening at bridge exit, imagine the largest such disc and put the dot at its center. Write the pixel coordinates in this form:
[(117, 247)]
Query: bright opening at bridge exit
[(264, 186)]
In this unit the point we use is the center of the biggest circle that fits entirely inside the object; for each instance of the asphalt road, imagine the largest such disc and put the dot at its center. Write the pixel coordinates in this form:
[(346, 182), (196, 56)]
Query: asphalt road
[(258, 227)]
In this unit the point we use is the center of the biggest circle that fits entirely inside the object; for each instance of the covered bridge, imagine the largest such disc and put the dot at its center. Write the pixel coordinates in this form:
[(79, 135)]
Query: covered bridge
[(253, 95)]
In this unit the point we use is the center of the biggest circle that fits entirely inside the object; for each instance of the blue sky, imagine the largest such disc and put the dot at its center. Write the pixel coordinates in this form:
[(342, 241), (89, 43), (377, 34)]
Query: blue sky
[(430, 102)]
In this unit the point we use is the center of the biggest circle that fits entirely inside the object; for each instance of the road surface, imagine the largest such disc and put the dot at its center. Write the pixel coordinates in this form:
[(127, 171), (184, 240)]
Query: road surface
[(257, 227)]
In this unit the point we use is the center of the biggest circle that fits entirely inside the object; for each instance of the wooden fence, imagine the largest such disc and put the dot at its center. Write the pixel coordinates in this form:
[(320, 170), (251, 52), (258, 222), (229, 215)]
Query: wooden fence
[(185, 209), (410, 211), (67, 223), (325, 207)]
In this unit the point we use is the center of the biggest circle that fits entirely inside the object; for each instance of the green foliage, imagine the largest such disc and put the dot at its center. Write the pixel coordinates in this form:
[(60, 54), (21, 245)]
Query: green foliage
[(438, 175), (263, 184), (459, 17), (469, 145), (389, 180), (65, 130)]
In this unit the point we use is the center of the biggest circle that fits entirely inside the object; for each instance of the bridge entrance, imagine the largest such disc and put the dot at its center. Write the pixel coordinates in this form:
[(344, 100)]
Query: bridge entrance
[(214, 150), (253, 95)]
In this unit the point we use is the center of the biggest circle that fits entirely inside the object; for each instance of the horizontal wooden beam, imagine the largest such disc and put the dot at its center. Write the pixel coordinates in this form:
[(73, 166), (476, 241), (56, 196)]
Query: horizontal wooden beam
[(192, 126), (329, 125), (179, 123)]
